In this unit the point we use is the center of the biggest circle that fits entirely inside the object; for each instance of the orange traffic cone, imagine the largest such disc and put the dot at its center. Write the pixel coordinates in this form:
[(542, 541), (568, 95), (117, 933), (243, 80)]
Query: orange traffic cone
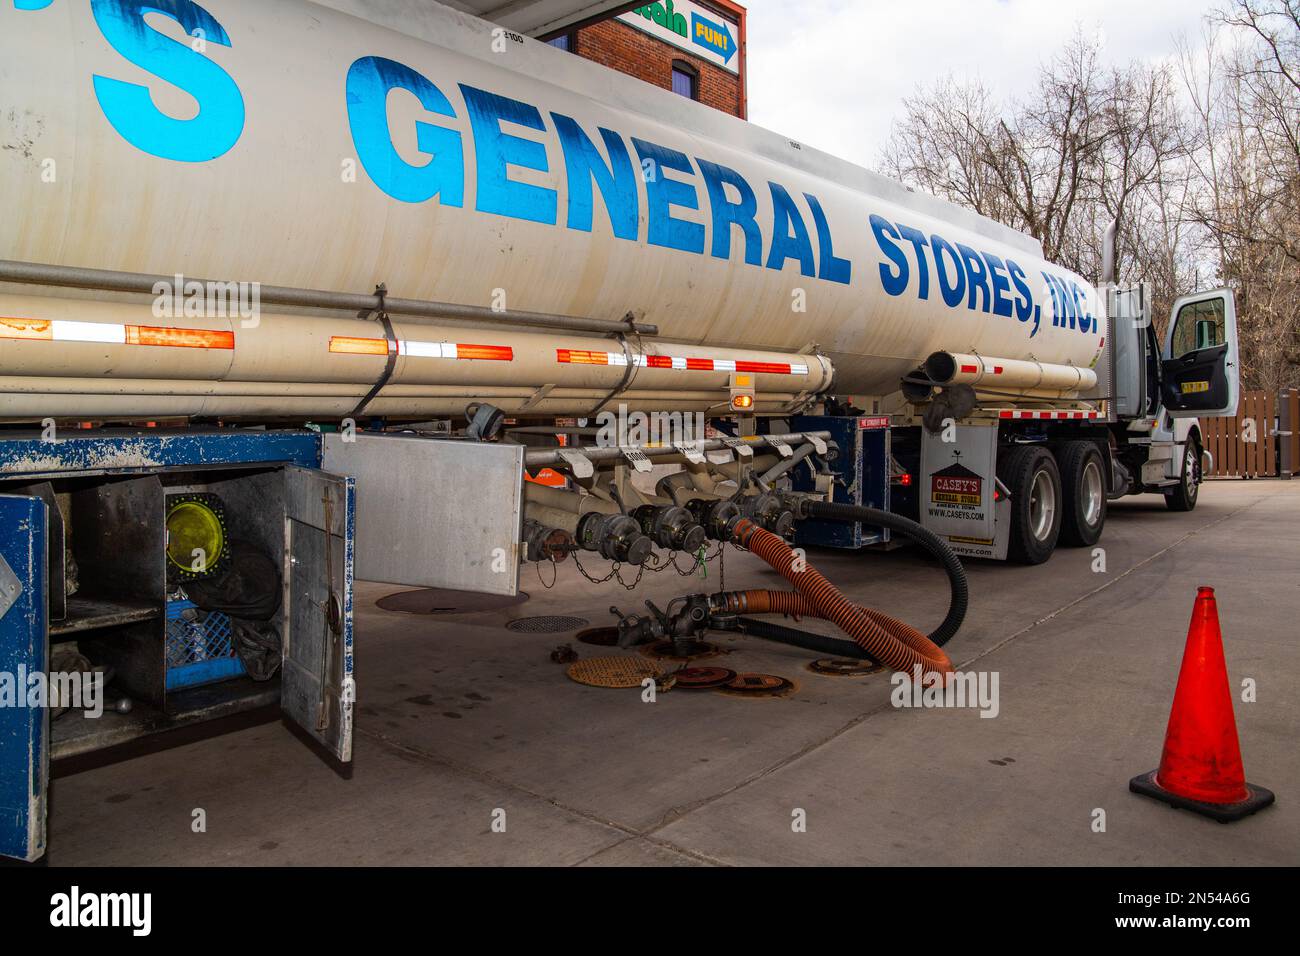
[(1201, 768)]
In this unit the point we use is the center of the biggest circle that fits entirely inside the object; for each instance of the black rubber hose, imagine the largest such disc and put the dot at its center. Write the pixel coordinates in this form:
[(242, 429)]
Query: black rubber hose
[(931, 542), (805, 639)]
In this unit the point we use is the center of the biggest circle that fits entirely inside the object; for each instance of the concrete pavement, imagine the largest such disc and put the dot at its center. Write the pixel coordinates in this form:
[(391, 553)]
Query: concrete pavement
[(460, 720)]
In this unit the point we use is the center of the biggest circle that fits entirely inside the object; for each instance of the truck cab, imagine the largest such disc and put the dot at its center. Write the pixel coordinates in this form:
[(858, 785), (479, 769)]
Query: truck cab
[(1162, 389)]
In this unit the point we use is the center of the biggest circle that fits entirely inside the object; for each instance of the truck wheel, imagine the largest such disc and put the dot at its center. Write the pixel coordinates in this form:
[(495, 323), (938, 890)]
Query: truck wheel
[(1183, 496), (1084, 487), (1031, 475)]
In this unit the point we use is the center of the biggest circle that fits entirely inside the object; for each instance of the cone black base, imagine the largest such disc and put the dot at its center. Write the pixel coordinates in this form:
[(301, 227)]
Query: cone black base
[(1258, 799)]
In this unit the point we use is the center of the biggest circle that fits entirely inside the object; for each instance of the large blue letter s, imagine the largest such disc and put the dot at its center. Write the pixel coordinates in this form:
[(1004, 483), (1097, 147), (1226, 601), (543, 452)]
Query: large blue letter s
[(129, 107)]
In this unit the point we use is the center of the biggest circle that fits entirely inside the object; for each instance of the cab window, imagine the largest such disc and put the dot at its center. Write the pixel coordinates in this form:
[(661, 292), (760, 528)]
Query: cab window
[(1199, 325)]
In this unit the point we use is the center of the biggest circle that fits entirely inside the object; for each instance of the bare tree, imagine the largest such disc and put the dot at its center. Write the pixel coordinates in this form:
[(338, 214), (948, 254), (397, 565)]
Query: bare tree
[(1199, 164)]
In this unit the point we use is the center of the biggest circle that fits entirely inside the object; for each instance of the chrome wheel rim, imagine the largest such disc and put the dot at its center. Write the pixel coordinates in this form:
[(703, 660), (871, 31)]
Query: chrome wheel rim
[(1042, 506), (1093, 493), (1189, 472)]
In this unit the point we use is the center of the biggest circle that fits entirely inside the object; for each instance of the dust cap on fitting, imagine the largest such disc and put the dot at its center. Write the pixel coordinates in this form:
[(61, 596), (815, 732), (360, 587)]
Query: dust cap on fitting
[(639, 549)]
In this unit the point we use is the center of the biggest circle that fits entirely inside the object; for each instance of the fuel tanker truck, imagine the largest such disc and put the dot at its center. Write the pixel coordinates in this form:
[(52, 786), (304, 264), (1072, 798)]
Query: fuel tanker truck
[(295, 292)]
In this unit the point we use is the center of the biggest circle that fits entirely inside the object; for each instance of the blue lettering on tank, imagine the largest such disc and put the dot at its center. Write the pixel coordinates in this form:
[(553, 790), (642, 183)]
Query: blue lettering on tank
[(1058, 310), (1086, 323), (893, 280), (130, 109), (662, 194), (616, 182), (495, 151), (727, 214), (1001, 285), (833, 268), (368, 84), (789, 234), (953, 293), (1024, 300), (977, 277), (918, 241)]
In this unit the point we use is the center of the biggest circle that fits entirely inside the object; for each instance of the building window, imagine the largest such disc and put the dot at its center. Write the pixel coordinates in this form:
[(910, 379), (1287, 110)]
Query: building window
[(565, 41), (686, 80)]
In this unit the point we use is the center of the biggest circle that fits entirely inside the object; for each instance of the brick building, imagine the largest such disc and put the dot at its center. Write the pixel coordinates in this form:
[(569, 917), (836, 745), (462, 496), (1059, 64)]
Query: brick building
[(694, 47)]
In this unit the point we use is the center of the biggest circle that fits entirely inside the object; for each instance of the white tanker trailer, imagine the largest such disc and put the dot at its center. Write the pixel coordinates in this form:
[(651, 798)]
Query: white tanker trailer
[(368, 216)]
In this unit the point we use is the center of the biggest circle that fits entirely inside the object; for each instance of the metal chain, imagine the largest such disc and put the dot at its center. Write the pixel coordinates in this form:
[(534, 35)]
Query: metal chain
[(555, 573), (583, 571), (631, 587)]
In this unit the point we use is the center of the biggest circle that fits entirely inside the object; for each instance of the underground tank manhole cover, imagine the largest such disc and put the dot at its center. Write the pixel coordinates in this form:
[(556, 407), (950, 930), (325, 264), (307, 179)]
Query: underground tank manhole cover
[(620, 672), (444, 601), (758, 686), (547, 624), (843, 667)]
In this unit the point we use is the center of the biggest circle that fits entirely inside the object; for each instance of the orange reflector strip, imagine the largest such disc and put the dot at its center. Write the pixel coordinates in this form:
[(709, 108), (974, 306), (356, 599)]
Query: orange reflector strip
[(764, 368), (350, 345), (969, 369), (489, 353), (179, 338), (15, 328), (579, 357), (109, 333)]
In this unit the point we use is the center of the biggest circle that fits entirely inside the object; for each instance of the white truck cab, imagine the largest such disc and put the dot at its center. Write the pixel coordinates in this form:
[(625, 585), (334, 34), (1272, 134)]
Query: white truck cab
[(1161, 392)]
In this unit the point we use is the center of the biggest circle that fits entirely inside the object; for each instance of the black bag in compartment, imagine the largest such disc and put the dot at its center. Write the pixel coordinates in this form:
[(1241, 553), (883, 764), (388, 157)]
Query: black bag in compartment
[(249, 592)]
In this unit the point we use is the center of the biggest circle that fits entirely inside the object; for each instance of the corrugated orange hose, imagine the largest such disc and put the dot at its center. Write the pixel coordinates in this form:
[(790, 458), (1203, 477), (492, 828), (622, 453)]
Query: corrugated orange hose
[(891, 642)]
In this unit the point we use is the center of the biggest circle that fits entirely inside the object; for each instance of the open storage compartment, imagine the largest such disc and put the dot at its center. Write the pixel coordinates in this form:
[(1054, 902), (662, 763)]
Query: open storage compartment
[(122, 606)]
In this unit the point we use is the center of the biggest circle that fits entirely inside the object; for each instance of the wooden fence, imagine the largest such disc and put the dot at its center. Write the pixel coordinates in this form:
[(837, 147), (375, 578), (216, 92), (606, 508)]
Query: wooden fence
[(1261, 441)]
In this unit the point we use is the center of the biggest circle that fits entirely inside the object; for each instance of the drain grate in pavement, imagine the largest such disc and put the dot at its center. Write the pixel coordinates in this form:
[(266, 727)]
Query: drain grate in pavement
[(547, 624)]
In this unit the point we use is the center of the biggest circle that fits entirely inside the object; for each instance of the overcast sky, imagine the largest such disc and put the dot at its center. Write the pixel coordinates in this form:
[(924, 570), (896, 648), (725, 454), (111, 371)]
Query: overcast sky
[(833, 73)]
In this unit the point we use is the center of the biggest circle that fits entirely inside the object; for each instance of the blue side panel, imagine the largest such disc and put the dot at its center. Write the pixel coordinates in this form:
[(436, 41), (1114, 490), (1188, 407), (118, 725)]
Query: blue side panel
[(24, 730), (118, 451), (863, 472)]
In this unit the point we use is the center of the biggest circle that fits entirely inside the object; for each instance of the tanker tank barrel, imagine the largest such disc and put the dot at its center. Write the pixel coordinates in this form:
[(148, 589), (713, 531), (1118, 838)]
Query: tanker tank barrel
[(104, 280)]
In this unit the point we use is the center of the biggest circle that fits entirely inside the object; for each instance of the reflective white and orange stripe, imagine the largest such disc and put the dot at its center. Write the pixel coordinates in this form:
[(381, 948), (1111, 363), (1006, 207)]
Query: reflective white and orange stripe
[(351, 345), (110, 333), (678, 363), (1053, 415)]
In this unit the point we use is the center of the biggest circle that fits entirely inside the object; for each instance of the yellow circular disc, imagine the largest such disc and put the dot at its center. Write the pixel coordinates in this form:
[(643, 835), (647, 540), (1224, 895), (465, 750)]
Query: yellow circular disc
[(195, 537), (613, 671)]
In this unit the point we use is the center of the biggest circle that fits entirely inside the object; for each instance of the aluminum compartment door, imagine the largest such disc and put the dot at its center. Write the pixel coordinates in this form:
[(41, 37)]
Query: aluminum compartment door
[(317, 688), (434, 513), (24, 650)]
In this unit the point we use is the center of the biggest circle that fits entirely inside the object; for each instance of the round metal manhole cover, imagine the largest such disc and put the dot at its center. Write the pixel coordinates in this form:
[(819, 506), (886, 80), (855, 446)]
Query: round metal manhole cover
[(703, 678), (445, 601), (844, 667), (547, 624), (622, 672), (599, 636), (758, 685), (687, 650)]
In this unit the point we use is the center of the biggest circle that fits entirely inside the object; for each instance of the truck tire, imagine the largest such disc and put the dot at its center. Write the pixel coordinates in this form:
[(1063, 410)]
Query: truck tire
[(1084, 493), (1183, 496), (1031, 475)]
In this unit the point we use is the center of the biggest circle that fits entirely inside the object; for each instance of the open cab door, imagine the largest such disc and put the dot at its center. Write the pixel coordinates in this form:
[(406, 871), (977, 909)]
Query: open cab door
[(1201, 362)]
